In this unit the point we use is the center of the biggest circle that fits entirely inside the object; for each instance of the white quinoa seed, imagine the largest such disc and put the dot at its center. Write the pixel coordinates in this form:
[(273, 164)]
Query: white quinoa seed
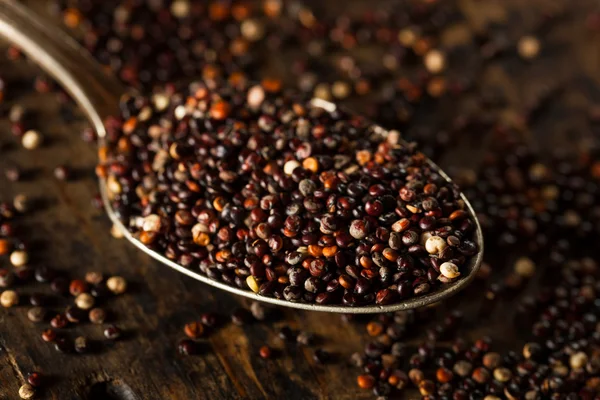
[(26, 391), (85, 301), (9, 298), (31, 140), (449, 270), (19, 258), (116, 284), (152, 223), (256, 95), (252, 30), (528, 47), (290, 166), (116, 232), (160, 101), (435, 245), (524, 267), (180, 8), (435, 61), (578, 360)]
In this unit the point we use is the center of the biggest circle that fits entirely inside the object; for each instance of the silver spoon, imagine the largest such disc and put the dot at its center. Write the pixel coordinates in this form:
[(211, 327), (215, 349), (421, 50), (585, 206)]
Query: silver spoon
[(98, 93)]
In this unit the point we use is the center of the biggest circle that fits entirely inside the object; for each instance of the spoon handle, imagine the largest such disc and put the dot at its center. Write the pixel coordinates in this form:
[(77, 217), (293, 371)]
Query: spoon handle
[(96, 92)]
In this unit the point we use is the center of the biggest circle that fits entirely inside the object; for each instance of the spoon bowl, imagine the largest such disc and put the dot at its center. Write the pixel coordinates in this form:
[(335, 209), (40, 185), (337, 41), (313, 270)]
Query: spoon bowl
[(98, 94)]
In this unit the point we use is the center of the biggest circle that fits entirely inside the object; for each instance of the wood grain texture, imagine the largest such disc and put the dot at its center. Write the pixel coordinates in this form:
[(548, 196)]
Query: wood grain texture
[(71, 235)]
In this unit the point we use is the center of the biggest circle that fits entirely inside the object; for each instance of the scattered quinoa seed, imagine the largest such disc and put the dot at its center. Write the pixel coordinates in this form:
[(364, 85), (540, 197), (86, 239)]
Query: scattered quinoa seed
[(116, 284), (26, 391), (9, 298), (31, 140)]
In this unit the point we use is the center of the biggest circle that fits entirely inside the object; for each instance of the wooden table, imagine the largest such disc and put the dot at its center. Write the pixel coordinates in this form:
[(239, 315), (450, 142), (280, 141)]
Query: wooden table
[(71, 235)]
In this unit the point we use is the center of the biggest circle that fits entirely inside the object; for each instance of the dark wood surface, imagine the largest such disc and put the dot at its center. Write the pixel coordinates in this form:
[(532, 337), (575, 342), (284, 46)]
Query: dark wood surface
[(69, 234)]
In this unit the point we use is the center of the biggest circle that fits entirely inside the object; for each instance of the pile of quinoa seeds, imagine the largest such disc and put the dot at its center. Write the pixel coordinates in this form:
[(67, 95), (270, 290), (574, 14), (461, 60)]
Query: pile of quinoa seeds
[(266, 192)]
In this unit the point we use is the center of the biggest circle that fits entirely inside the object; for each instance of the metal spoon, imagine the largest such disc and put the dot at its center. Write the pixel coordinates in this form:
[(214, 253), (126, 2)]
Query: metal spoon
[(98, 93)]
